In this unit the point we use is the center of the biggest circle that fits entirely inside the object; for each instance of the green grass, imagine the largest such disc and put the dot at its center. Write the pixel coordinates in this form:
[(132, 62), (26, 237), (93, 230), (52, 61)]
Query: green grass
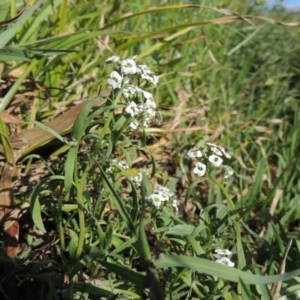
[(224, 81)]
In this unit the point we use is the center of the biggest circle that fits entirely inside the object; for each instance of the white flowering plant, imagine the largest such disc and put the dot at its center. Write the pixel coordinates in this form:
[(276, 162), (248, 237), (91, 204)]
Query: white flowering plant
[(176, 209), (104, 198)]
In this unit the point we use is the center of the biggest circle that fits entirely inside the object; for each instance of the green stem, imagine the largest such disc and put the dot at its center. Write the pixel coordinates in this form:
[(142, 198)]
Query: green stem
[(82, 183), (109, 118), (80, 200), (222, 188), (60, 226), (237, 226)]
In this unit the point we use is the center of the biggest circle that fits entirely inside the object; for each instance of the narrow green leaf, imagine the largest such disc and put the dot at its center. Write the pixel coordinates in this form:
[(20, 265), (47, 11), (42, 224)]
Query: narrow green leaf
[(119, 203), (219, 270), (265, 293), (7, 55), (68, 40), (246, 294), (73, 244), (94, 290), (80, 123), (255, 189), (44, 12), (48, 129), (35, 209), (10, 33), (142, 245), (70, 168), (131, 276)]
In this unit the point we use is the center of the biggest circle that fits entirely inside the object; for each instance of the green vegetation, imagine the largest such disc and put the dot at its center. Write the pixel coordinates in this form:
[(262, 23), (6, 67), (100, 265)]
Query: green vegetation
[(102, 210)]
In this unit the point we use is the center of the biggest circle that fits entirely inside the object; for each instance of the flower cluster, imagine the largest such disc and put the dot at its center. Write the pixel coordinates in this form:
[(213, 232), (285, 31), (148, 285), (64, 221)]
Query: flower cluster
[(127, 76), (162, 195), (115, 165), (210, 156), (224, 260)]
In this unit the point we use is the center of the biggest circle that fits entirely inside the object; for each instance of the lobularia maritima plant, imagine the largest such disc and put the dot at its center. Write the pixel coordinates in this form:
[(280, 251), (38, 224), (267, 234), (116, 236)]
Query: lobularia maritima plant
[(140, 110)]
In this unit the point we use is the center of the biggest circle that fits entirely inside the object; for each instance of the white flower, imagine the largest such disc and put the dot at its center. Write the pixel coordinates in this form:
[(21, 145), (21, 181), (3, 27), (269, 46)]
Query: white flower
[(130, 91), (211, 145), (133, 109), (223, 252), (111, 59), (175, 205), (225, 153), (163, 195), (157, 198), (148, 122), (194, 152), (215, 160), (115, 79), (154, 80), (228, 172), (134, 124), (165, 190), (216, 150), (200, 169), (124, 165), (151, 78), (147, 95), (225, 261), (137, 179), (148, 75), (144, 69), (128, 66), (150, 113), (150, 103), (114, 162)]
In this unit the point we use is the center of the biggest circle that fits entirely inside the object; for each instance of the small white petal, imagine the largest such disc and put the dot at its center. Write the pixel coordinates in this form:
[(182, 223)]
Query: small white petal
[(211, 145), (194, 152), (156, 198), (156, 202), (223, 252), (216, 150), (134, 124), (150, 103), (150, 113), (111, 60), (225, 261), (124, 165), (137, 179), (147, 122), (228, 172), (200, 169), (128, 66), (147, 95), (133, 109), (130, 90), (215, 160), (144, 68), (175, 205), (163, 189), (115, 79), (225, 153)]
